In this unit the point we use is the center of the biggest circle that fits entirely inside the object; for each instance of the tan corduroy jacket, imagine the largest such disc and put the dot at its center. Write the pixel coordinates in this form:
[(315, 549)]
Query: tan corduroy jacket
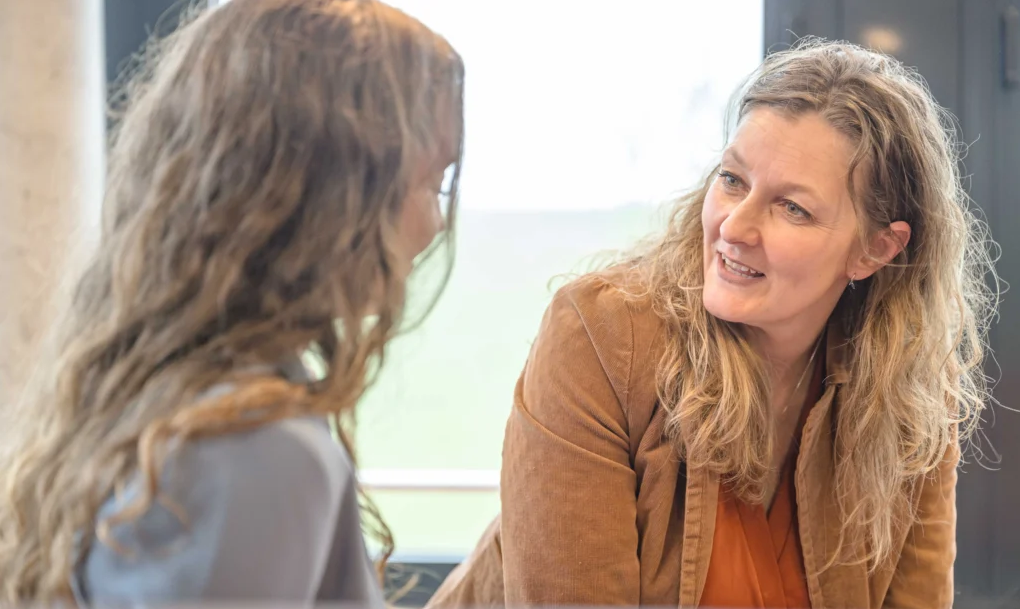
[(598, 510)]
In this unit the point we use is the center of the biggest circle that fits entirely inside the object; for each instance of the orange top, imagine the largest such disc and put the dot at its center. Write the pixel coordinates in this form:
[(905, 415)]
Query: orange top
[(756, 557)]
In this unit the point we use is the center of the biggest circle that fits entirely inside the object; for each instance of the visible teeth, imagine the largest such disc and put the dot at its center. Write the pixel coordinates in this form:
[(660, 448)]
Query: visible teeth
[(740, 269)]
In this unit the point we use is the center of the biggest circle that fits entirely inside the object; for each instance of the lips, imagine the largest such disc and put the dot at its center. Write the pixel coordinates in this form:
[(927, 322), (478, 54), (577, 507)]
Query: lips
[(740, 269)]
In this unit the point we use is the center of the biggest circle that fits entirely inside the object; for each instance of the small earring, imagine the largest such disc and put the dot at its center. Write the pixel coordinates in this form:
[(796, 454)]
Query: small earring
[(852, 286)]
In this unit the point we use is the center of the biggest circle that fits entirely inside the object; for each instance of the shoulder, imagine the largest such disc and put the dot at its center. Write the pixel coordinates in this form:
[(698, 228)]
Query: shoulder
[(298, 454), (207, 528), (609, 311), (615, 311), (284, 463), (279, 468), (615, 292)]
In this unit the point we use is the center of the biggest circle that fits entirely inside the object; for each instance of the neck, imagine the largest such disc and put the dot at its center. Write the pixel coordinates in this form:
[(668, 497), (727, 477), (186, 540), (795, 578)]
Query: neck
[(786, 355)]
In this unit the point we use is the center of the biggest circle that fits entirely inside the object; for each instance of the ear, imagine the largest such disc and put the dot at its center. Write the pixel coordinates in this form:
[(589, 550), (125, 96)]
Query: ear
[(883, 247)]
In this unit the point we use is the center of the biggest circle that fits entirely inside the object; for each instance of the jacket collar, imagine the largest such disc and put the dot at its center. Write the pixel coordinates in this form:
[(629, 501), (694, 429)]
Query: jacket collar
[(818, 514)]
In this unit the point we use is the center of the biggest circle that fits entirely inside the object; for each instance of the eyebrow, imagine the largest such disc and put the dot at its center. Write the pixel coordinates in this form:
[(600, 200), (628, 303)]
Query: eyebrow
[(731, 152), (788, 187)]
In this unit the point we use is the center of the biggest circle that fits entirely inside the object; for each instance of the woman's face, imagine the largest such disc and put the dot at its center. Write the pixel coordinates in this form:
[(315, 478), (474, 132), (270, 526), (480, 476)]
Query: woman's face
[(780, 229), (421, 216)]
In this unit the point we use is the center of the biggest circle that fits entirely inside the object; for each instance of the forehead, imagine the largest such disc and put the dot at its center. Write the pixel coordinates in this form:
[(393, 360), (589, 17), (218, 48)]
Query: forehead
[(804, 150)]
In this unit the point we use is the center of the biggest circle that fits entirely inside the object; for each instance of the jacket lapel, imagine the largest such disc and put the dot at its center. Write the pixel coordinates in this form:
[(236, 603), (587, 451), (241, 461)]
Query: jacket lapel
[(701, 501), (818, 514)]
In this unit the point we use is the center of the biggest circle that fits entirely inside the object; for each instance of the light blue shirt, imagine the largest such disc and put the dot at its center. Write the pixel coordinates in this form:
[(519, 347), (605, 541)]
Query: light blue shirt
[(271, 515)]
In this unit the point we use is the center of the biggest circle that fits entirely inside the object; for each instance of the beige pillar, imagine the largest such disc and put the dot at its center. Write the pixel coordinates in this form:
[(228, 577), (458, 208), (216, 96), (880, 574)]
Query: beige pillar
[(52, 132)]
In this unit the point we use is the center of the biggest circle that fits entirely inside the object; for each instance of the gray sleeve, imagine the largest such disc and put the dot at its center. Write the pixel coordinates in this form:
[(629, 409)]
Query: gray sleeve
[(260, 510)]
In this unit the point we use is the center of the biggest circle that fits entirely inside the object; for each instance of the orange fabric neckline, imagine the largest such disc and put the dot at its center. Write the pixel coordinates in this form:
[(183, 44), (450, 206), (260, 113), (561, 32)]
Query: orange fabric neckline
[(757, 561)]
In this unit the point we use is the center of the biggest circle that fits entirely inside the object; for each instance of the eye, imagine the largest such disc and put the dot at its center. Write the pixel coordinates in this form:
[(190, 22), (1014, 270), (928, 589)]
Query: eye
[(729, 180), (795, 210)]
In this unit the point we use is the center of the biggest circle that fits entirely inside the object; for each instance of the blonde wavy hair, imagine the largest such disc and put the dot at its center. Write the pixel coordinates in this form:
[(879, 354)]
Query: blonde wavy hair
[(255, 184), (917, 329)]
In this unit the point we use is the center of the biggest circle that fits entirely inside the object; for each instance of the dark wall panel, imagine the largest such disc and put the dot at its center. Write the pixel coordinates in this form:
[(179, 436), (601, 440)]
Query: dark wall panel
[(958, 46), (129, 23)]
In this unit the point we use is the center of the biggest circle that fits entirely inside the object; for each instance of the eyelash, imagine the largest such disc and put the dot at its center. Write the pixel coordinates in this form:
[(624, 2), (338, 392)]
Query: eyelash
[(725, 175), (800, 213)]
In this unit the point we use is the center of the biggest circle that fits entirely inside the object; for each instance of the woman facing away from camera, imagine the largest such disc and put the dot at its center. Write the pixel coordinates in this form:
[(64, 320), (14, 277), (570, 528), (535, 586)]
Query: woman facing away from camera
[(275, 176), (765, 406)]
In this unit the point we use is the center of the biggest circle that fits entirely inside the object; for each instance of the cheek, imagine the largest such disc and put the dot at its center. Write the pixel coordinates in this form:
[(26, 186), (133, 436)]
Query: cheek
[(814, 263), (420, 221), (710, 217)]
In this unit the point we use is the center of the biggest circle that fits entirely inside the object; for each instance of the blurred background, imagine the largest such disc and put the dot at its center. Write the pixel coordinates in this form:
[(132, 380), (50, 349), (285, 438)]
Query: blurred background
[(584, 120)]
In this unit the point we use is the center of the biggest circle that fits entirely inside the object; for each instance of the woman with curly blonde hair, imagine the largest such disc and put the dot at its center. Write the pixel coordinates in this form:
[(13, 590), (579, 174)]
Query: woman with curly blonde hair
[(764, 407), (276, 174)]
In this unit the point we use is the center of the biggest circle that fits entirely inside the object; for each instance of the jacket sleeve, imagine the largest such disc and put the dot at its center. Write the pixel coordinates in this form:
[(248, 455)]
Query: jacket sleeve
[(924, 574), (478, 581), (569, 531)]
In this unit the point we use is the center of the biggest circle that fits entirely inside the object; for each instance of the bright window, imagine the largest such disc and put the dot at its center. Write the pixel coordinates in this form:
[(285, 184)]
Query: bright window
[(582, 119)]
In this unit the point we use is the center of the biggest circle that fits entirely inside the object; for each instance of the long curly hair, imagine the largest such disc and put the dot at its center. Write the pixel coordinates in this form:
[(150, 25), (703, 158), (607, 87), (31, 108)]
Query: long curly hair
[(254, 189), (917, 328)]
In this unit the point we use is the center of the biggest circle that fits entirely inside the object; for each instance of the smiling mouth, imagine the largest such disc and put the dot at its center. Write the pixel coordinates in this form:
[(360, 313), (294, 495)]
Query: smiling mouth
[(739, 269)]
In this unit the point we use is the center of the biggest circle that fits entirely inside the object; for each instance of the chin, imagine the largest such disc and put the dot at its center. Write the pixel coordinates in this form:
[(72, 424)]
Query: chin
[(726, 310)]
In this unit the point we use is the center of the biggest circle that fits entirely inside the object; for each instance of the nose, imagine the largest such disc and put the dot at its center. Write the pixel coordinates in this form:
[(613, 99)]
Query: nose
[(742, 222)]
